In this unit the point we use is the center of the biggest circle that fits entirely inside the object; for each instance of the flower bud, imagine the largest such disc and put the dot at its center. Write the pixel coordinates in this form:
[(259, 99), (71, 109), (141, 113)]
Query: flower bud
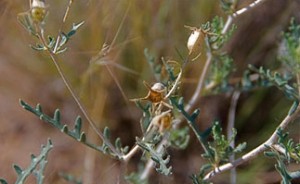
[(38, 11)]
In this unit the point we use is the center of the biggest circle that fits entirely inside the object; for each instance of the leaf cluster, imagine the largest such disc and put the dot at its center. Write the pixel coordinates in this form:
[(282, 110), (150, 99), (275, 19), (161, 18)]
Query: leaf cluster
[(37, 166), (290, 47), (217, 38), (277, 80), (227, 6), (77, 132), (160, 158), (221, 68), (219, 149), (289, 154), (55, 45)]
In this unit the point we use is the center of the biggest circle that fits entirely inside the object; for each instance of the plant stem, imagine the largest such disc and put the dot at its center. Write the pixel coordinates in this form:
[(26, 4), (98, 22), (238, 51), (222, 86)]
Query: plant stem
[(230, 127), (62, 25), (252, 154), (247, 8), (84, 112)]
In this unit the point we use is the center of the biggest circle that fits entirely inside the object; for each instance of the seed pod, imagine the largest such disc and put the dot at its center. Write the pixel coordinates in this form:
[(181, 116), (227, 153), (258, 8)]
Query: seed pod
[(38, 11), (165, 122), (195, 40), (156, 92)]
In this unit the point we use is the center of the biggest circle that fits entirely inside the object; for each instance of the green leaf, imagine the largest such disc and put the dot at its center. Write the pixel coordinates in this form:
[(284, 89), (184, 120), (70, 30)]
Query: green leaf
[(61, 50), (18, 170), (106, 133), (38, 47), (240, 147), (70, 178), (51, 42), (293, 108), (56, 116), (3, 181), (74, 29), (270, 154), (63, 39)]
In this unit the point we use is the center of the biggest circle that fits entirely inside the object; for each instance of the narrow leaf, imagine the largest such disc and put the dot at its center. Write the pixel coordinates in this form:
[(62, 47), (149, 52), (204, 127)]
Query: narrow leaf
[(18, 170), (106, 133), (56, 116), (294, 107), (2, 181)]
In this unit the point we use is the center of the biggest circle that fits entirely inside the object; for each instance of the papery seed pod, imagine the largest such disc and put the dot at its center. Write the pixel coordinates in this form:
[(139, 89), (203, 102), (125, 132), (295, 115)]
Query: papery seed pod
[(195, 40), (165, 122), (38, 11), (156, 92)]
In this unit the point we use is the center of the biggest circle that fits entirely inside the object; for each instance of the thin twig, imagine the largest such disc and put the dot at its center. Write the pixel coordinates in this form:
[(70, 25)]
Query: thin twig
[(230, 127), (245, 9), (62, 25), (70, 89), (127, 157), (84, 112), (252, 154)]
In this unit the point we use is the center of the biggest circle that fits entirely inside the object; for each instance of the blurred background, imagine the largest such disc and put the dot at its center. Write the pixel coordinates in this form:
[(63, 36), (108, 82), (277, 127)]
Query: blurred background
[(159, 26)]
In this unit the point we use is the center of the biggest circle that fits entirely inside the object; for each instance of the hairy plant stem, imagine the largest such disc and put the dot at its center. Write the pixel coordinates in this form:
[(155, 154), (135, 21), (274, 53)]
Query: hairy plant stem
[(252, 154)]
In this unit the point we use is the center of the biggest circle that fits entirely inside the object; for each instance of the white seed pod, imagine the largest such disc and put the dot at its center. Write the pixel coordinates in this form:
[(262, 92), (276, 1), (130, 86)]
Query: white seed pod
[(158, 87), (195, 40)]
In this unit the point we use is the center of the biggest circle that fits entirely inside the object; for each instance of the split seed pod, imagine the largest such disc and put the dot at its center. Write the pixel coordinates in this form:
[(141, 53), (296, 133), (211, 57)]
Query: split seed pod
[(165, 122), (156, 92)]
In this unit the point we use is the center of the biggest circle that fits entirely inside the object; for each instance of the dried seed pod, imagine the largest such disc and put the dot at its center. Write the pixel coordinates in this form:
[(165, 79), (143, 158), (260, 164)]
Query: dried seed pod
[(164, 123), (156, 92), (38, 11), (195, 40)]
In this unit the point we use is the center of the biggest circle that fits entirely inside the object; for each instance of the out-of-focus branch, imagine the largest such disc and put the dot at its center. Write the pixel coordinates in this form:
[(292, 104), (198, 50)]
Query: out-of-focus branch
[(228, 23), (252, 154), (230, 126)]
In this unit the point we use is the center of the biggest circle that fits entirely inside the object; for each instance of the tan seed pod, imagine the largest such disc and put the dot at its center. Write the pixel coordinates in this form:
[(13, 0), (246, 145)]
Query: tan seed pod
[(156, 92), (195, 40), (165, 122)]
